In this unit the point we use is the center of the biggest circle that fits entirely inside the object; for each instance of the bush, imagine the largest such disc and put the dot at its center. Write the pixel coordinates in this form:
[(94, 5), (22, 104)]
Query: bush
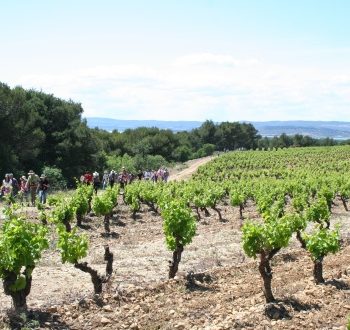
[(117, 162), (55, 177), (133, 164)]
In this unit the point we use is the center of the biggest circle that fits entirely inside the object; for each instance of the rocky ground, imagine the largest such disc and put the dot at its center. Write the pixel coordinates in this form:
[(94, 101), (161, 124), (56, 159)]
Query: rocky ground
[(224, 291)]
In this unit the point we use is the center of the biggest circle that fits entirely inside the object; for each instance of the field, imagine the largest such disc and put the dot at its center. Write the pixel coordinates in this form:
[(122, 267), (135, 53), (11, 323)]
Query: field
[(225, 290)]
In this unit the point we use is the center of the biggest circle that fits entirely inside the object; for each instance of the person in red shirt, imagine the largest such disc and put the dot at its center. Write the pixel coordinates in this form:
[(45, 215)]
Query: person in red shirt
[(88, 178)]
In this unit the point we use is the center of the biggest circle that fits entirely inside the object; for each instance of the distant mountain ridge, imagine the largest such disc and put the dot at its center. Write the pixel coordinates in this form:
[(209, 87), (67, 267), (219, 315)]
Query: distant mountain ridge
[(110, 124), (317, 129)]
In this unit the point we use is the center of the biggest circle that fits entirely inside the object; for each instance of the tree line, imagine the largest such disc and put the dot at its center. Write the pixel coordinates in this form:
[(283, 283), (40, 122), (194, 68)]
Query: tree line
[(39, 130)]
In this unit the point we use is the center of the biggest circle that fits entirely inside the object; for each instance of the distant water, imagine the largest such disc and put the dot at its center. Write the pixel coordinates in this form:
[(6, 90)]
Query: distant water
[(317, 129)]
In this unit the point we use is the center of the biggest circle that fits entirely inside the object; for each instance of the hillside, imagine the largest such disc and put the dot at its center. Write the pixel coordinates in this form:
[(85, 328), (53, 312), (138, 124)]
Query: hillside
[(225, 291), (228, 296)]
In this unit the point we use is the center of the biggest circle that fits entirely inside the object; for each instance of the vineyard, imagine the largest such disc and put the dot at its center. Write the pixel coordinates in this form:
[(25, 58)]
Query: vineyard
[(254, 240)]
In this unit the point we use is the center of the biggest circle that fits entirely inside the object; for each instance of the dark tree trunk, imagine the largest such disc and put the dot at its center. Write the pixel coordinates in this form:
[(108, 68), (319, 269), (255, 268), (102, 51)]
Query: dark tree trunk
[(106, 223), (318, 271), (328, 224), (198, 214), (96, 278), (174, 264), (344, 203), (68, 226), (79, 219), (152, 206), (218, 211), (301, 240), (241, 208), (108, 257), (19, 298), (266, 274), (206, 212), (134, 214)]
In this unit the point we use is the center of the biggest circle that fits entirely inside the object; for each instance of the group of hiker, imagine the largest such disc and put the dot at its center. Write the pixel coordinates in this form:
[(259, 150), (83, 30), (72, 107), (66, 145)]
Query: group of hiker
[(27, 188), (123, 177)]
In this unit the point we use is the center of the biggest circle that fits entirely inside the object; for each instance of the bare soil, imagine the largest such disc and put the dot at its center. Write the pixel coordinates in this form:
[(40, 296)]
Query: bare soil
[(225, 291), (190, 167)]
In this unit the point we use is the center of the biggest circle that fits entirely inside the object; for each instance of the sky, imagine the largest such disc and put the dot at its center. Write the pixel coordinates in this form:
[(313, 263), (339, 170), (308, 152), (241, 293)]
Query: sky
[(224, 60)]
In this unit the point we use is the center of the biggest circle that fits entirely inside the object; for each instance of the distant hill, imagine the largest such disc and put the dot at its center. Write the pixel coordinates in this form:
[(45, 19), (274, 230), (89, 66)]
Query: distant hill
[(121, 125), (317, 129)]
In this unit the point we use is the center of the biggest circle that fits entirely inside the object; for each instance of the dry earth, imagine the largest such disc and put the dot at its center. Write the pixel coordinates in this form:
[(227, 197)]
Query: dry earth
[(229, 296), (191, 167)]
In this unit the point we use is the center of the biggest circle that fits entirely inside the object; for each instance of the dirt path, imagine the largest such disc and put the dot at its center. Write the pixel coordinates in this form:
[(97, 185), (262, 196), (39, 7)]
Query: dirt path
[(192, 168)]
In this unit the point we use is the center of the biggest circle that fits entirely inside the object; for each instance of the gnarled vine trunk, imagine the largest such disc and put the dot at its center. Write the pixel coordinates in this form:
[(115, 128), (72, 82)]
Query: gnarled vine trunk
[(344, 204), (79, 219), (206, 212), (19, 298), (241, 208), (96, 278), (106, 223), (174, 264), (301, 240), (266, 274), (218, 212), (318, 270)]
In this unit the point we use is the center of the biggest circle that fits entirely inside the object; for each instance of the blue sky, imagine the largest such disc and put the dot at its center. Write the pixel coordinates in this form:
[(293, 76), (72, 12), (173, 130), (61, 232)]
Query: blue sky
[(183, 59)]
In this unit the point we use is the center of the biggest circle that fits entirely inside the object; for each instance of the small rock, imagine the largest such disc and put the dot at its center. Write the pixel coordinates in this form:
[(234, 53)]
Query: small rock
[(52, 309), (134, 326), (104, 320), (107, 308)]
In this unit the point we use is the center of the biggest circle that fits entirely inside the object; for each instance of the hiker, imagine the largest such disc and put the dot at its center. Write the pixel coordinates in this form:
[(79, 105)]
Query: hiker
[(32, 185), (96, 181), (15, 185), (147, 175), (43, 187), (88, 178), (123, 177), (6, 187), (140, 174), (23, 190), (105, 180), (165, 175), (111, 178)]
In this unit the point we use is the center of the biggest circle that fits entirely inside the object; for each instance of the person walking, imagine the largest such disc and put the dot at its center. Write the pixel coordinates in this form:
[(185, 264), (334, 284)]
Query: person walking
[(43, 187), (6, 187), (32, 185), (23, 190), (111, 178), (96, 181), (15, 185), (105, 179)]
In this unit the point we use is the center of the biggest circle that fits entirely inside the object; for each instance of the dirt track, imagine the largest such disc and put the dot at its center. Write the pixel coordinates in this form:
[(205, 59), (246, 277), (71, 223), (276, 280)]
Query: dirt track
[(192, 167)]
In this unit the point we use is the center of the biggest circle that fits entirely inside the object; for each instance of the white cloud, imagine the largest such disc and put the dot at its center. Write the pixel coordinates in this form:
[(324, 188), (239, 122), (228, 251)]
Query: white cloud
[(203, 86)]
